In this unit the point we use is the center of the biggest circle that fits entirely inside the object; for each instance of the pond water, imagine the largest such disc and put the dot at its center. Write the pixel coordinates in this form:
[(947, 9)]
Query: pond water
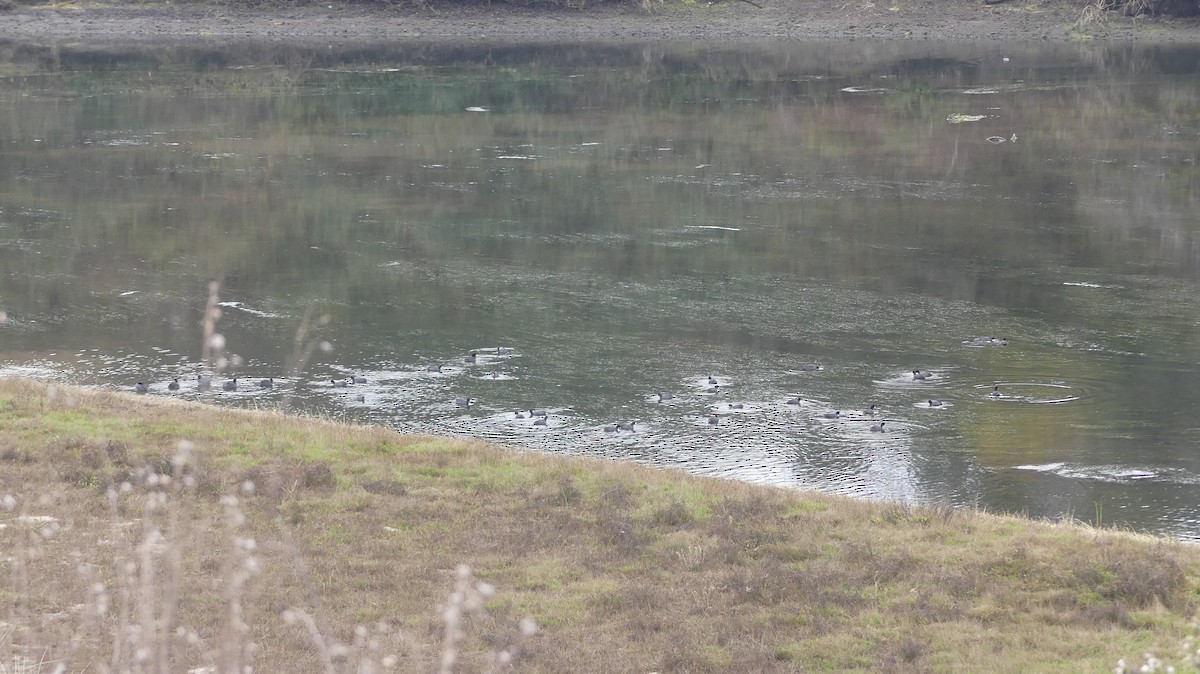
[(609, 226)]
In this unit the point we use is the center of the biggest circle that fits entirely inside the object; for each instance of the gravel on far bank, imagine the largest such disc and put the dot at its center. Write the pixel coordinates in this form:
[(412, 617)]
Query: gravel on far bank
[(733, 20)]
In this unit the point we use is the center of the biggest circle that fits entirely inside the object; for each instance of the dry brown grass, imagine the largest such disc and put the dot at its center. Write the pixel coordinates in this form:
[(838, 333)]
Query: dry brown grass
[(344, 555)]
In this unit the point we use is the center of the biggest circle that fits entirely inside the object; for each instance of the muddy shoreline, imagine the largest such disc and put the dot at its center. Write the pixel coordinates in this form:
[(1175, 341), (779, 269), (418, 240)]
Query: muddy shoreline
[(933, 20)]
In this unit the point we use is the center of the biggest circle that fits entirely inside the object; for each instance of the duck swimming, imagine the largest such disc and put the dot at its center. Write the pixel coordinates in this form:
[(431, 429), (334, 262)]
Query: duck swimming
[(714, 419), (878, 428), (140, 387), (174, 385), (471, 359), (832, 415), (920, 376), (626, 426), (935, 403), (269, 382), (713, 389), (230, 385), (871, 411), (465, 402), (337, 383), (810, 367)]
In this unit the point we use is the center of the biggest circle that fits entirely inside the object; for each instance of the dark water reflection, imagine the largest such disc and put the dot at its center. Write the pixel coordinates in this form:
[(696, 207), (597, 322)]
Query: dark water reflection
[(628, 221)]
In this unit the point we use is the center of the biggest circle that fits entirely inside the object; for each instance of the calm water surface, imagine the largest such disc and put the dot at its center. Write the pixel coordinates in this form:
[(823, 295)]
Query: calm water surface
[(625, 221)]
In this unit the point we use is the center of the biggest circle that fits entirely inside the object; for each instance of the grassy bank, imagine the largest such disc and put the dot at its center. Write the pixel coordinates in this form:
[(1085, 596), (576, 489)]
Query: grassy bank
[(301, 545)]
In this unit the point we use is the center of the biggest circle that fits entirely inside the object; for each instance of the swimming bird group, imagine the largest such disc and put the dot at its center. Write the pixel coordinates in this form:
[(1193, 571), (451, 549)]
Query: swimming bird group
[(709, 385)]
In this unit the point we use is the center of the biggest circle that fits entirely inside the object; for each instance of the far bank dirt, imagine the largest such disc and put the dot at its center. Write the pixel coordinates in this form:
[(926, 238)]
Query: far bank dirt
[(737, 20)]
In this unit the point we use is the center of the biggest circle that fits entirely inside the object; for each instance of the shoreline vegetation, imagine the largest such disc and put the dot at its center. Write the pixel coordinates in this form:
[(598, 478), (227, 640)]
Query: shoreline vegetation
[(146, 534), (574, 21)]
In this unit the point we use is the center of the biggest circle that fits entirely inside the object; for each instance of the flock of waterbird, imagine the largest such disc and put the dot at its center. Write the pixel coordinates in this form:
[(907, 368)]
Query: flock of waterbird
[(540, 417)]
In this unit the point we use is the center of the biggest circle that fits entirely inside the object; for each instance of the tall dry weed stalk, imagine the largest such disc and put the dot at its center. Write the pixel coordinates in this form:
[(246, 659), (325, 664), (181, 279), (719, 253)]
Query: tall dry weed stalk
[(132, 616), (213, 346), (305, 343)]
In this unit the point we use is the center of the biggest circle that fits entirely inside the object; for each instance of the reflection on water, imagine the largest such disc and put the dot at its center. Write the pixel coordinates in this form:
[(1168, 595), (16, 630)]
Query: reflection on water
[(984, 263)]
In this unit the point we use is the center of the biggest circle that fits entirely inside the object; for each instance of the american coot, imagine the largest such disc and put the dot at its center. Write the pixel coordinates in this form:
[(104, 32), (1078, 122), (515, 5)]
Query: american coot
[(663, 397), (269, 382), (810, 367), (471, 359), (540, 421), (996, 391), (871, 411), (141, 388), (519, 415), (230, 385), (832, 415), (713, 389), (919, 375), (434, 368), (611, 428), (935, 403), (736, 406), (878, 428), (712, 379), (628, 426), (537, 413), (337, 383), (174, 385), (714, 419), (793, 401), (465, 402)]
